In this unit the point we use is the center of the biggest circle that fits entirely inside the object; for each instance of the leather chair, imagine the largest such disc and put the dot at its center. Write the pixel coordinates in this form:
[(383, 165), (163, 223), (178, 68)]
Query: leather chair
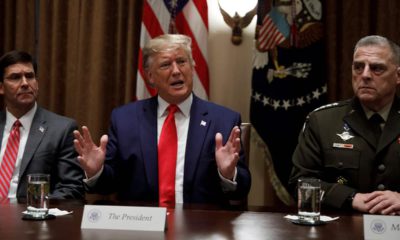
[(245, 135)]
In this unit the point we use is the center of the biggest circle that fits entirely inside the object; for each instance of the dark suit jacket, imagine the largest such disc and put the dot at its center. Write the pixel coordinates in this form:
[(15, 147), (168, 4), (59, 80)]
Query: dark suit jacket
[(131, 166), (350, 164), (49, 149)]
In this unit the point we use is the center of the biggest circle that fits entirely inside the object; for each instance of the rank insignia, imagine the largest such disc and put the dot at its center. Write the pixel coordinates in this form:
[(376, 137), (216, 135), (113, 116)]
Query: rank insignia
[(341, 180)]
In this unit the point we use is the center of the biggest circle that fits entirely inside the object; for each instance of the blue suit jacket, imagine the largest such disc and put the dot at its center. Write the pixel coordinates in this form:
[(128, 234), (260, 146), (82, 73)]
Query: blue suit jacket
[(131, 167)]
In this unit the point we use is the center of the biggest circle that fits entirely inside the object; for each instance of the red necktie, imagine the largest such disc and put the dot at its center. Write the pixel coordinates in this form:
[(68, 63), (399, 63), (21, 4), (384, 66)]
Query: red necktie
[(167, 152), (9, 158)]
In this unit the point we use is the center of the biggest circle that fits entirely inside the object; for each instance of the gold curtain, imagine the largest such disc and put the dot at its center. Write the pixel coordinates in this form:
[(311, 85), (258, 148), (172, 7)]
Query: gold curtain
[(86, 51)]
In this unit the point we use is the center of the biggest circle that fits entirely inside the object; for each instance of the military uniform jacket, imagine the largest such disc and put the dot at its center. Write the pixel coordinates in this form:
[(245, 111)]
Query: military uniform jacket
[(338, 146)]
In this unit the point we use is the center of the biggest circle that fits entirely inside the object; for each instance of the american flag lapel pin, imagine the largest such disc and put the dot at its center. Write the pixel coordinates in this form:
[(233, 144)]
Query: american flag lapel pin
[(203, 123)]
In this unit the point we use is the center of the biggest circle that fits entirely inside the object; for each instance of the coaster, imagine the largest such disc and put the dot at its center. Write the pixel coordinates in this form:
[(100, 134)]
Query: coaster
[(306, 223), (31, 218)]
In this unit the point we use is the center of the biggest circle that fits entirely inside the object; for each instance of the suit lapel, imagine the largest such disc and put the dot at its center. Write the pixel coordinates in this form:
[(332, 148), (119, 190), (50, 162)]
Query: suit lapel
[(35, 136), (358, 122), (2, 124), (198, 127), (148, 140), (391, 130)]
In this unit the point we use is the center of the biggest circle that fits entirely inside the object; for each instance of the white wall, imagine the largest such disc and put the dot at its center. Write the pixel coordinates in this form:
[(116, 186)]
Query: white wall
[(230, 69), (230, 65)]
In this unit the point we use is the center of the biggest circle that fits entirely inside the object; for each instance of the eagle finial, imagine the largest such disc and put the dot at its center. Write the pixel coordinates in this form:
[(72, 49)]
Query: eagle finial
[(237, 23)]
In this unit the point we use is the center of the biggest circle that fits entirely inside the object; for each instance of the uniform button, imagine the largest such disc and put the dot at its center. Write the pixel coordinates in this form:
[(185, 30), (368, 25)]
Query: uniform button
[(381, 167), (381, 187)]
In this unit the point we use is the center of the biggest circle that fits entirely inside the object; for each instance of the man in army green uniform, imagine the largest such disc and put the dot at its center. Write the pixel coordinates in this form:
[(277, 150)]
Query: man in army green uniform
[(354, 146)]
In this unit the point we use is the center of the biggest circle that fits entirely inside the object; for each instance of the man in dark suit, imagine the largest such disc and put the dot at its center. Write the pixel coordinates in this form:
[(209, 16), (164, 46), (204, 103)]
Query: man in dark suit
[(46, 139), (210, 166), (358, 165)]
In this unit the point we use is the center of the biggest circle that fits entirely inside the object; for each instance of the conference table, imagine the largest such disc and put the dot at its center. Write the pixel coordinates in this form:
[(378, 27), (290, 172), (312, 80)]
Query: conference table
[(184, 222)]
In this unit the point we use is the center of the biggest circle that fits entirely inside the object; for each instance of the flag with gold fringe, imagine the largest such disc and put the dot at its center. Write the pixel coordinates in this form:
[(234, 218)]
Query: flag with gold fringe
[(288, 77)]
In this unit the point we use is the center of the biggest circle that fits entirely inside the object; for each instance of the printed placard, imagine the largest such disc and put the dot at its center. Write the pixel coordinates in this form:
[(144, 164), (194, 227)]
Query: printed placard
[(380, 227), (124, 218)]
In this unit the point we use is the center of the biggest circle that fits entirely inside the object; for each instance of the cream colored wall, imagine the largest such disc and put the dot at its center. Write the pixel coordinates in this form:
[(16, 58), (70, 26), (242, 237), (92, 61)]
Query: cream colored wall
[(230, 69), (230, 65)]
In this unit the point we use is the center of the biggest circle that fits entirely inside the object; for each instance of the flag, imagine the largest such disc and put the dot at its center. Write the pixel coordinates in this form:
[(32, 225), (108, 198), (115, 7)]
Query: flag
[(288, 77), (274, 30), (188, 17)]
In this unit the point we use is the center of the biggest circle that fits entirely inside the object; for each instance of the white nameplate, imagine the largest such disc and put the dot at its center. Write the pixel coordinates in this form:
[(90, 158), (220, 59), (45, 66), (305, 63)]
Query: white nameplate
[(380, 227), (124, 218)]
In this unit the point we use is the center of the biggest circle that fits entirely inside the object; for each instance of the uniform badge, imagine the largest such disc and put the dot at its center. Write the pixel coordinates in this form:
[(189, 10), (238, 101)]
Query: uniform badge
[(343, 145), (345, 135), (341, 180)]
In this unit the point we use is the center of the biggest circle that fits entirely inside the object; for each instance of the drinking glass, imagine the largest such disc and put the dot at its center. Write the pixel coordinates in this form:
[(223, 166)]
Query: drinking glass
[(38, 195), (309, 199)]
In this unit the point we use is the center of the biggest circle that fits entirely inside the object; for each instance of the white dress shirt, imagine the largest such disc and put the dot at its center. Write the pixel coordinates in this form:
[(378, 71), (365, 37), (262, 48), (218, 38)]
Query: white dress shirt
[(182, 119), (26, 122)]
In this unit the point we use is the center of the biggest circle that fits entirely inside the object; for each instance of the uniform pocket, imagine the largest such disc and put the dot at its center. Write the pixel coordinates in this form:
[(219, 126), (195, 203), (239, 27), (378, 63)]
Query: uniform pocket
[(343, 159), (342, 166)]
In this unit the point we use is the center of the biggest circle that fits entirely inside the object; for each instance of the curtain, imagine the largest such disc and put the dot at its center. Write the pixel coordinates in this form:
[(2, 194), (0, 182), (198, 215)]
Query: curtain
[(86, 52), (346, 22)]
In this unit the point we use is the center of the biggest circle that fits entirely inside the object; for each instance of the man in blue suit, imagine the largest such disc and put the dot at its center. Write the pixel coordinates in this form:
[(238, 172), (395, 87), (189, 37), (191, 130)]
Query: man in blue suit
[(210, 165)]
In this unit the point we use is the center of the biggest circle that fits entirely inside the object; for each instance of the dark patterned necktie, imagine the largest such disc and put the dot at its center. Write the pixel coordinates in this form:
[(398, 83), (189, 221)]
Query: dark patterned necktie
[(376, 120)]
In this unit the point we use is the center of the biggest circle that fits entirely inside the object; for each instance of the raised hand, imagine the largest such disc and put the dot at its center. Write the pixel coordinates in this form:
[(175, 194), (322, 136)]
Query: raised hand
[(227, 156), (91, 157)]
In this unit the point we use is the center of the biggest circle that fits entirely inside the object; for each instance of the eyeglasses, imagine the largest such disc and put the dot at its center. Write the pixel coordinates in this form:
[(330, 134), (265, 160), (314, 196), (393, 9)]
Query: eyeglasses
[(17, 77)]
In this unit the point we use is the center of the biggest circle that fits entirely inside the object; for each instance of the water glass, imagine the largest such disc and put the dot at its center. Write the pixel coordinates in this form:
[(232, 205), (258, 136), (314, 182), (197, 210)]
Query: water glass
[(38, 195), (309, 199)]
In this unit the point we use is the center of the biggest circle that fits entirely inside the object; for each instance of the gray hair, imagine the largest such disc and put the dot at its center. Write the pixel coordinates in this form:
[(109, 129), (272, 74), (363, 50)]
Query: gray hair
[(376, 40), (165, 43)]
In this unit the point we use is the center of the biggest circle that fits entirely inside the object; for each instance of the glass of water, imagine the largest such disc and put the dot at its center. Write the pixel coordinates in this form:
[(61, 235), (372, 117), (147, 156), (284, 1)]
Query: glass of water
[(309, 199), (38, 195)]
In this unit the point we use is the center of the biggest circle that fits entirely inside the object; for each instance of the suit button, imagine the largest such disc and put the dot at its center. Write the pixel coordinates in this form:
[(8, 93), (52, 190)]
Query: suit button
[(381, 167), (381, 187)]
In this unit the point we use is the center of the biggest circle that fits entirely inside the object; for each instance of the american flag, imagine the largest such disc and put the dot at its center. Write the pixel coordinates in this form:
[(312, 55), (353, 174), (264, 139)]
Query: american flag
[(274, 30), (187, 17)]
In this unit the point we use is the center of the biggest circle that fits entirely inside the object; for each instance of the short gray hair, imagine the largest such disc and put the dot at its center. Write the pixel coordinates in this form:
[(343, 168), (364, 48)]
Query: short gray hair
[(376, 40), (164, 43)]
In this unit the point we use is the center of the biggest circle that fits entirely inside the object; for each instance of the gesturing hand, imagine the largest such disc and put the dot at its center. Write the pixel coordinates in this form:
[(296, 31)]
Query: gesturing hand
[(227, 156), (91, 157)]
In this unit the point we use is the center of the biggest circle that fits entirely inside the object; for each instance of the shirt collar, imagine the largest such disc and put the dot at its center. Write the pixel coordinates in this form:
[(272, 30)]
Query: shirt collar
[(184, 106), (26, 119), (384, 112)]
